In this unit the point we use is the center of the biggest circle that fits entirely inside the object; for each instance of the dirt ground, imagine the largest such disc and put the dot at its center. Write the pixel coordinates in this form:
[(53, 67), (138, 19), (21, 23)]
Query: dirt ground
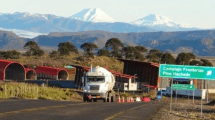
[(182, 110)]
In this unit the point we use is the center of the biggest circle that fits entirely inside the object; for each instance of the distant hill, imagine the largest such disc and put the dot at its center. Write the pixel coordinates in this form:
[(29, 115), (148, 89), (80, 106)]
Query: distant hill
[(200, 42), (9, 41), (146, 36)]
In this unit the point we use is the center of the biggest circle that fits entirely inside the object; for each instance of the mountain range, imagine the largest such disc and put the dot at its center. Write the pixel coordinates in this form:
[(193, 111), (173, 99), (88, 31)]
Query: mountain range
[(94, 25), (201, 42), (86, 20)]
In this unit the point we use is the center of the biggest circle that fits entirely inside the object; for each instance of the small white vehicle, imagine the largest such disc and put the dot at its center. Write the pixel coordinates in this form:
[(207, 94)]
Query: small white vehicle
[(99, 83)]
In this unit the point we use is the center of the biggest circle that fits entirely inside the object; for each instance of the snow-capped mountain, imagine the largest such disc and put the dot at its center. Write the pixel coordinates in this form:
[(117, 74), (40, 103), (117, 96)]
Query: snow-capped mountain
[(92, 15), (86, 20), (162, 23), (46, 23), (26, 15)]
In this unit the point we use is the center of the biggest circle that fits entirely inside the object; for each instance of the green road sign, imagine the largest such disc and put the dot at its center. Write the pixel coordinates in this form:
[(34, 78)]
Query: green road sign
[(183, 87), (185, 71)]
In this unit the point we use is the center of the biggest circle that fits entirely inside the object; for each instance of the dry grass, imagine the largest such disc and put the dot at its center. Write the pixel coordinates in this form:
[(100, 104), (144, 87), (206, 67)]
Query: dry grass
[(33, 91), (102, 61)]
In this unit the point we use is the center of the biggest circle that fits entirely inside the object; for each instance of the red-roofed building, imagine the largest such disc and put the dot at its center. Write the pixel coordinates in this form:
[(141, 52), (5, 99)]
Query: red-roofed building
[(45, 72), (10, 70), (30, 74)]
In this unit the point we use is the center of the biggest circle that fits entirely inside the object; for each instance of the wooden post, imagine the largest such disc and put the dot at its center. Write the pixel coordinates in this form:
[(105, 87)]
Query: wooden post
[(11, 91), (37, 92), (21, 92), (5, 90), (17, 94)]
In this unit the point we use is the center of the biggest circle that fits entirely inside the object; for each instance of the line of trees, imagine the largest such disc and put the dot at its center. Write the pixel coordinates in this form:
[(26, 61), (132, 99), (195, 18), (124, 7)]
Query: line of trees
[(157, 56), (113, 48)]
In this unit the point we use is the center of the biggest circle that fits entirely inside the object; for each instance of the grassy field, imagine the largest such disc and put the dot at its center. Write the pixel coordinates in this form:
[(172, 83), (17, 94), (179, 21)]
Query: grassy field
[(61, 61), (33, 91), (184, 109)]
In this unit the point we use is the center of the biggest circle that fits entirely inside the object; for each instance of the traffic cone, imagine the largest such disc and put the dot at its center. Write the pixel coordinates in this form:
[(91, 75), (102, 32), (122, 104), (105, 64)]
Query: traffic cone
[(119, 100), (123, 100), (132, 100), (128, 100)]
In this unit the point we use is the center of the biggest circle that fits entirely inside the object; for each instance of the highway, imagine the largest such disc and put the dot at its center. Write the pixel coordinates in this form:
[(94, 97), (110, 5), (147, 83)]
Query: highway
[(23, 109)]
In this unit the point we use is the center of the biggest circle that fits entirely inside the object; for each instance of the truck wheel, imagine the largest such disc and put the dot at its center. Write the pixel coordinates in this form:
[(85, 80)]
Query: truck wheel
[(105, 99), (85, 99), (94, 100), (109, 97)]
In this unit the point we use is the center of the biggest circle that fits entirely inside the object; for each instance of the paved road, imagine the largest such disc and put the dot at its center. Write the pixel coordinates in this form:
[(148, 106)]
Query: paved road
[(18, 109)]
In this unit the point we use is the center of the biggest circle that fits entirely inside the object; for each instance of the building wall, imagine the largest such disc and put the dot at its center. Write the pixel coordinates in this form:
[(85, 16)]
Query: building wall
[(209, 83), (146, 72), (164, 82)]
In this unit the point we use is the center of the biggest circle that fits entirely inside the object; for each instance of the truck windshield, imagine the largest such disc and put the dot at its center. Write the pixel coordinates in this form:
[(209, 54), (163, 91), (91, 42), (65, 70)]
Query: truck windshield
[(95, 79)]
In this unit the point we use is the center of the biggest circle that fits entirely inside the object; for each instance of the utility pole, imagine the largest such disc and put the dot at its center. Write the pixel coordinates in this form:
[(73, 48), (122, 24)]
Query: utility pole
[(207, 91)]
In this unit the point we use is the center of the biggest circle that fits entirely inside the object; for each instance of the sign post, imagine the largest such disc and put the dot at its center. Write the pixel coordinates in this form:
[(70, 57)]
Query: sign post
[(183, 87), (190, 72), (193, 95), (201, 99), (171, 96), (207, 91), (188, 96), (176, 94)]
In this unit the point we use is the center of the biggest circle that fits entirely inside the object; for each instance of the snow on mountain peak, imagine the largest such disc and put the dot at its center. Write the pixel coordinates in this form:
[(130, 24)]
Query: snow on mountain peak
[(157, 20), (21, 15), (92, 15)]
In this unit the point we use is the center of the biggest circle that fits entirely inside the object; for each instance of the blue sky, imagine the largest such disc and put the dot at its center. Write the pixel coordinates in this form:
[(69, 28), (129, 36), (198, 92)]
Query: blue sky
[(197, 13)]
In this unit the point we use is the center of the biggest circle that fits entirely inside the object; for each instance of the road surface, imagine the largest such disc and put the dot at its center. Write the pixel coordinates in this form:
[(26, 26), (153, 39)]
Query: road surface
[(22, 109)]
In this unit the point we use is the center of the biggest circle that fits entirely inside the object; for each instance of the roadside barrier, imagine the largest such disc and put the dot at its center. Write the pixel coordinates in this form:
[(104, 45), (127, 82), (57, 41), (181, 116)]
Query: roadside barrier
[(119, 100), (146, 99), (128, 100), (123, 100), (138, 99), (132, 99)]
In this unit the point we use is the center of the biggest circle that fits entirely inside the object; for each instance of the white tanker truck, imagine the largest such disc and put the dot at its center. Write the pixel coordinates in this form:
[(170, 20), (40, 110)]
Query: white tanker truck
[(99, 83)]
